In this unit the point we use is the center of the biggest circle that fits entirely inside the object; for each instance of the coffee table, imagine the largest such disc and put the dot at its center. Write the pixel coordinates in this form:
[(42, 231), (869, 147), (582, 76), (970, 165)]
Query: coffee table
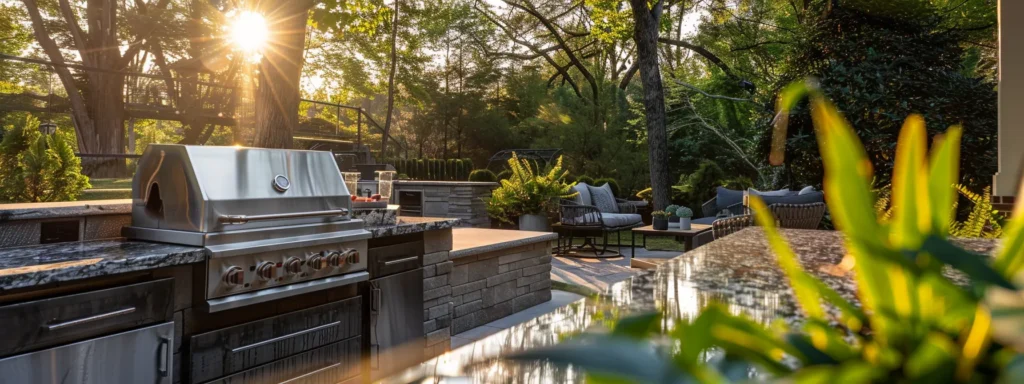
[(687, 235)]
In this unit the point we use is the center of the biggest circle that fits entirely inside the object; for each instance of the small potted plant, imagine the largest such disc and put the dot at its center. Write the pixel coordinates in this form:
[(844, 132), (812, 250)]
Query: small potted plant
[(673, 220), (660, 220), (684, 214)]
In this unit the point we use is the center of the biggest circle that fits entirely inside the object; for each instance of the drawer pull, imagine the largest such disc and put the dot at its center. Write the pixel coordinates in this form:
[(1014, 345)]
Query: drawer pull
[(410, 258), (279, 338), (54, 327), (305, 375)]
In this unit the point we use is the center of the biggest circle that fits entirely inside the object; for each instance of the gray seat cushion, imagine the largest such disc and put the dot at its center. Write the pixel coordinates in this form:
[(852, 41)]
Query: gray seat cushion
[(807, 198), (704, 220), (725, 197), (603, 199), (620, 219), (780, 192), (583, 196)]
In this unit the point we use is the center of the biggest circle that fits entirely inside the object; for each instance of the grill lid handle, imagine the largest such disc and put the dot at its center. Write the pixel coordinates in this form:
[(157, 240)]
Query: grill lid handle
[(242, 219)]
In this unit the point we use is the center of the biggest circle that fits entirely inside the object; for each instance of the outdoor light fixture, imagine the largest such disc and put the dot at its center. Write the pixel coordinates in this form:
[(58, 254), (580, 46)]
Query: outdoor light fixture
[(248, 32), (48, 128)]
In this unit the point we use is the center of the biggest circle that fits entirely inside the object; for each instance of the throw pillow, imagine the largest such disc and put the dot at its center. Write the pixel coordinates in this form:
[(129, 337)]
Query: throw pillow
[(806, 190), (603, 199), (725, 197), (583, 195)]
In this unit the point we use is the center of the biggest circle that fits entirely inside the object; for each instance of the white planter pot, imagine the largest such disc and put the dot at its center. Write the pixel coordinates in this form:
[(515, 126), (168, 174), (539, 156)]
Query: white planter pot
[(684, 223), (538, 223)]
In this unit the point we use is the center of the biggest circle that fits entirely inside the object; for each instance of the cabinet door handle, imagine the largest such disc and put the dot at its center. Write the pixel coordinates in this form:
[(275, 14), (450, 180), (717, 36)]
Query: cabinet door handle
[(161, 365), (305, 375), (83, 320), (279, 338), (410, 258)]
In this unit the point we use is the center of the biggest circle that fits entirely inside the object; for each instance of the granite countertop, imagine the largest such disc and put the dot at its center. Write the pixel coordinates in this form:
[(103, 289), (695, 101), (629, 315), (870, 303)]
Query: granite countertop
[(474, 241), (24, 267), (738, 271), (443, 183), (407, 225), (30, 211)]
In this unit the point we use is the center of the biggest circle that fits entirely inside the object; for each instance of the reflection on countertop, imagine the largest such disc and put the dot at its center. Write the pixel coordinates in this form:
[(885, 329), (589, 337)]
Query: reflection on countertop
[(25, 267), (738, 271)]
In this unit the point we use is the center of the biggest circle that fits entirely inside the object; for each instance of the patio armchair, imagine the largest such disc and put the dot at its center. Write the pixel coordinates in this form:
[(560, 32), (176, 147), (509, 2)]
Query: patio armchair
[(727, 226), (581, 217), (799, 216)]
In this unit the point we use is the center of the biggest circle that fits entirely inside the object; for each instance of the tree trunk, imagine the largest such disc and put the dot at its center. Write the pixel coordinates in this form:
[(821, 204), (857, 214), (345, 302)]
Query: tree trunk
[(106, 106), (646, 37), (391, 80), (277, 97)]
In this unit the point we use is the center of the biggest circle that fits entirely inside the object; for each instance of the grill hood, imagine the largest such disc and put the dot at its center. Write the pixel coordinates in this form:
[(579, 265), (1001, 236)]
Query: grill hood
[(217, 189)]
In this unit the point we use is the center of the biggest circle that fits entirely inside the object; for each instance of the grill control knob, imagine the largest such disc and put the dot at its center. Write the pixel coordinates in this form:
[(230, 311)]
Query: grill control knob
[(351, 255), (234, 276), (265, 270), (336, 259), (293, 265), (317, 261)]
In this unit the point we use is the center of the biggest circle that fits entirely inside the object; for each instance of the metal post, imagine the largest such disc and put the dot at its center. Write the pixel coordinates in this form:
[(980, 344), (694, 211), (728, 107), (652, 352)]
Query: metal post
[(337, 124), (359, 128)]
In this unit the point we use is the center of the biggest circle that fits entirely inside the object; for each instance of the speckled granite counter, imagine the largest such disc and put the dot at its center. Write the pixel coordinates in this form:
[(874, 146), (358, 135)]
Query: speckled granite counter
[(407, 225), (26, 267), (738, 271)]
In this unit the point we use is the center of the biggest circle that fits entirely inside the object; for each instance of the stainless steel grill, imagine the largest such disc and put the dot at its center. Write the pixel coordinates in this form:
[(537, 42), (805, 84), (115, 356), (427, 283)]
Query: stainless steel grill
[(276, 222)]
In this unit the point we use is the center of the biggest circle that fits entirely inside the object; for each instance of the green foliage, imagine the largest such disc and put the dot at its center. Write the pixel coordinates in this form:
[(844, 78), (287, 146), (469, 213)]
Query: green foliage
[(660, 214), (483, 175), (614, 185), (983, 221), (504, 174), (913, 323), (878, 68), (671, 209), (39, 168), (584, 179), (528, 191)]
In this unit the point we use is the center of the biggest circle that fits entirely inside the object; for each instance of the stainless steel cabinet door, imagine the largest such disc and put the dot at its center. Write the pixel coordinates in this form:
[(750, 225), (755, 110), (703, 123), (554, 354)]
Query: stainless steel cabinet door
[(396, 322), (139, 356)]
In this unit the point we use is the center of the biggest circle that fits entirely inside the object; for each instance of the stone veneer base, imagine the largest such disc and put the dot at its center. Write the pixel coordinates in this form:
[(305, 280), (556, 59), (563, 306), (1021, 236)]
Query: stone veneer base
[(491, 285)]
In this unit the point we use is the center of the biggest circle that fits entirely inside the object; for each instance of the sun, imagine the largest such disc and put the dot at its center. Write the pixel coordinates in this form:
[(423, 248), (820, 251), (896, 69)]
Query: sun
[(249, 32)]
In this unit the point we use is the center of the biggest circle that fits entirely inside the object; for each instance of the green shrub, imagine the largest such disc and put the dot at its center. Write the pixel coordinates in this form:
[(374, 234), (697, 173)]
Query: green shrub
[(421, 170), (459, 172), (39, 168), (504, 175), (585, 179), (614, 185), (467, 165), (483, 175)]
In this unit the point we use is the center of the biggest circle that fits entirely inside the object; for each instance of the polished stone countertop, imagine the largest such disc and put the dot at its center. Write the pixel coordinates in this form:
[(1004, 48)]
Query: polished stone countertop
[(474, 241), (30, 266), (26, 267), (38, 211), (738, 271), (407, 225)]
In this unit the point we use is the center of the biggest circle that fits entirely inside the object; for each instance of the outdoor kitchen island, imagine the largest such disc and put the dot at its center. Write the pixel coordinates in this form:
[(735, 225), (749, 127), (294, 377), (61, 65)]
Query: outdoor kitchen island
[(255, 270), (68, 297)]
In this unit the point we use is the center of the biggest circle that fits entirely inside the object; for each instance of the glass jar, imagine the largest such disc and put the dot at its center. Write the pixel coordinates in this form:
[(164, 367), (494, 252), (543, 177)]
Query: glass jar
[(352, 182), (385, 184)]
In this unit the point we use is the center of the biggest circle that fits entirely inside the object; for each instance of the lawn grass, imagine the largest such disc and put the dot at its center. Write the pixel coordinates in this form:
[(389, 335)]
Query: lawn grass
[(659, 243), (106, 189), (111, 183)]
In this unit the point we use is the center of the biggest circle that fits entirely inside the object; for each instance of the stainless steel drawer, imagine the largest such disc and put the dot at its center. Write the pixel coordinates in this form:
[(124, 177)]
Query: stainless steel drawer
[(58, 320), (235, 349), (139, 356), (333, 363)]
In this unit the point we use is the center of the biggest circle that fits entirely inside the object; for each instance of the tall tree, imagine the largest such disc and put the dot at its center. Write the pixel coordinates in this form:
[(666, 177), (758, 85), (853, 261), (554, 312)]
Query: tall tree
[(391, 81), (97, 104), (645, 34), (277, 95)]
